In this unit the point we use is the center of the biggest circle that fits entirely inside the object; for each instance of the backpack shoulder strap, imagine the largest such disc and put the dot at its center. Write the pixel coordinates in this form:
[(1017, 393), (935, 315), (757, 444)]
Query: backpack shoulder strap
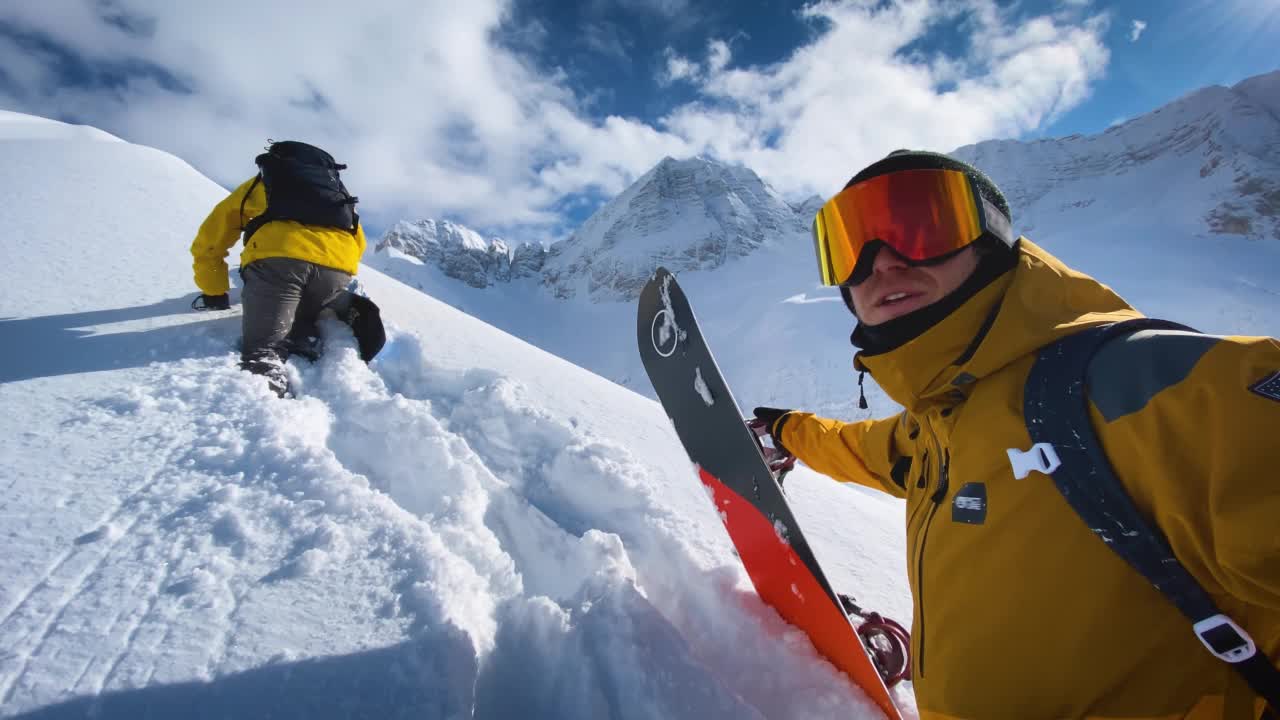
[(256, 179), (251, 227), (1056, 410)]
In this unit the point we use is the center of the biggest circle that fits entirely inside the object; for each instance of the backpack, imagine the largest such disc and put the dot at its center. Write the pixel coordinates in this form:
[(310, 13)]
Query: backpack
[(302, 185), (1066, 447)]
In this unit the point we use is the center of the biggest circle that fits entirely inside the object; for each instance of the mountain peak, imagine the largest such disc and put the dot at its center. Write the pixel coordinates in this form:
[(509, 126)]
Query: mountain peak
[(1264, 90), (688, 214)]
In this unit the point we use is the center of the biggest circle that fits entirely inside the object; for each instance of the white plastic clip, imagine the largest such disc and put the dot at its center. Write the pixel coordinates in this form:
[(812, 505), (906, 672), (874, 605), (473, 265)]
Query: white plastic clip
[(1041, 457), (1225, 639)]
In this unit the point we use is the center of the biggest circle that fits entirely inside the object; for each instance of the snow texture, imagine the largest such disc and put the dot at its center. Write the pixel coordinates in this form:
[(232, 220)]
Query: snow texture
[(700, 387), (780, 530), (469, 527)]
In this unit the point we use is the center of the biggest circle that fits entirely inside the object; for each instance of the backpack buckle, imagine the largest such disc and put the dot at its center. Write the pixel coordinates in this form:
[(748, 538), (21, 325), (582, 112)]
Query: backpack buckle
[(1225, 639), (1041, 457)]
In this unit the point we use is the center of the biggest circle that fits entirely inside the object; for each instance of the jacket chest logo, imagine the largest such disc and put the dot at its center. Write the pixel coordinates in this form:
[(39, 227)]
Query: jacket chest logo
[(970, 504)]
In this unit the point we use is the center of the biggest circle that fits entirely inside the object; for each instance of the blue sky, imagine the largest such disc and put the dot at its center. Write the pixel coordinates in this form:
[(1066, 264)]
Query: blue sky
[(519, 117), (1183, 45), (1158, 51)]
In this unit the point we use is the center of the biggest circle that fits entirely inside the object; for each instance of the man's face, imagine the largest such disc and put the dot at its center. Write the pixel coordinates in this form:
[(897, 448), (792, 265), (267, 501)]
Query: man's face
[(896, 288)]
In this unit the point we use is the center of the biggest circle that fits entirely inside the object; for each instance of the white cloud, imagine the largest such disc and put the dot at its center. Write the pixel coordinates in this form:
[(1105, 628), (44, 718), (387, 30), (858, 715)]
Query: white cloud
[(436, 118), (432, 117), (829, 110), (1136, 29), (718, 55), (678, 68)]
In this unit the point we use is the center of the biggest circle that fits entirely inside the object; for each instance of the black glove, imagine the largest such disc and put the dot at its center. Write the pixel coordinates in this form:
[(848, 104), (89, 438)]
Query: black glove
[(774, 419), (212, 302)]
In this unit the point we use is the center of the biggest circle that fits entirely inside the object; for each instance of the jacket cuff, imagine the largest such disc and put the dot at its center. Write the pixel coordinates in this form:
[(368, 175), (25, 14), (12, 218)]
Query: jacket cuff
[(776, 432)]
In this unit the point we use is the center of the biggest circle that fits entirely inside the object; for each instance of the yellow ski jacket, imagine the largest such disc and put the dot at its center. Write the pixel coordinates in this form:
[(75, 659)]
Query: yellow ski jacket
[(1020, 611), (330, 247)]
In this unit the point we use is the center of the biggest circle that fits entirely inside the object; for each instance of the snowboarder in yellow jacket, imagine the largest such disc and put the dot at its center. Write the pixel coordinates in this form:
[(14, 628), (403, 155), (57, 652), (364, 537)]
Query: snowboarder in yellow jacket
[(1019, 610), (302, 244)]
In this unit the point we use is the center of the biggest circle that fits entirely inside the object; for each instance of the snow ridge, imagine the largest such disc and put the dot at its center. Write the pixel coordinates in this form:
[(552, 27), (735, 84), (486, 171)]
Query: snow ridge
[(1210, 160)]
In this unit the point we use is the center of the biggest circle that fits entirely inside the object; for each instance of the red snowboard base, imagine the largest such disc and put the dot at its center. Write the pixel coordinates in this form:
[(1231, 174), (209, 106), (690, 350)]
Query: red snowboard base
[(785, 584)]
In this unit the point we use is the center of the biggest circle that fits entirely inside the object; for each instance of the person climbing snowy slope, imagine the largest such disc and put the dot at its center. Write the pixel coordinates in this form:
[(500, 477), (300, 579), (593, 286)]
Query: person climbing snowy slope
[(302, 245)]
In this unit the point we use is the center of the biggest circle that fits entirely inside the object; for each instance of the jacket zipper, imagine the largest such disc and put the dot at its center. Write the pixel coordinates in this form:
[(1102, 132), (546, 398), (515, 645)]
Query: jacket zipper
[(937, 497), (920, 483)]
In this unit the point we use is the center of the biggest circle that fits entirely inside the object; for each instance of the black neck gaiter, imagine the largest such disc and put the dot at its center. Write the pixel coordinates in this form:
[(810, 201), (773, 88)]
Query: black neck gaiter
[(893, 334)]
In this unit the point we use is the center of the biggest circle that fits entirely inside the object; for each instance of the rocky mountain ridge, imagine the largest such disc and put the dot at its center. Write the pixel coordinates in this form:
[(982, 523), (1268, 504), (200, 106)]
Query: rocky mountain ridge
[(1212, 156), (693, 214), (462, 253)]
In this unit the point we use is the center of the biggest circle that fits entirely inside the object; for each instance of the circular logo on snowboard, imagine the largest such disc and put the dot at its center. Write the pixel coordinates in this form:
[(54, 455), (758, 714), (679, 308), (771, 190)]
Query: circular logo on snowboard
[(663, 333)]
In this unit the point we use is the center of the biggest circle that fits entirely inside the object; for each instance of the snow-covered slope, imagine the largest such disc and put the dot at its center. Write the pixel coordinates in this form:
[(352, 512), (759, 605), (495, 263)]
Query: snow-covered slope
[(469, 527), (1177, 210)]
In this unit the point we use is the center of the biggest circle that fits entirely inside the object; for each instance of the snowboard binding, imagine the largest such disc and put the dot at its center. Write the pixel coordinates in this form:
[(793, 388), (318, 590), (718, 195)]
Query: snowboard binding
[(886, 640), (780, 462)]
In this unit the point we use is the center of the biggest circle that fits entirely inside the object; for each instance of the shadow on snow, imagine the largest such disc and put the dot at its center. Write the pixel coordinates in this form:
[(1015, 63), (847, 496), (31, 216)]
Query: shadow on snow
[(410, 680), (66, 344)]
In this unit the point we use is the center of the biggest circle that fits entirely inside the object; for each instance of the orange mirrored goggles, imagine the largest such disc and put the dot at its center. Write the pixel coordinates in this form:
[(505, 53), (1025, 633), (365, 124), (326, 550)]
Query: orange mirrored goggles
[(921, 214)]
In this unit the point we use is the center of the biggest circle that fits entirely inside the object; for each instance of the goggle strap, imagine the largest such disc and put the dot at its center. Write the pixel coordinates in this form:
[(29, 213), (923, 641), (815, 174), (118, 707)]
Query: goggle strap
[(824, 258), (996, 223)]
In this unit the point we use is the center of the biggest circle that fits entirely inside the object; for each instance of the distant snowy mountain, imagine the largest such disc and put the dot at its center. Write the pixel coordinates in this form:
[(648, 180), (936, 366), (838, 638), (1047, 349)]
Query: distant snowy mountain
[(686, 215), (1208, 162), (1176, 209), (693, 214), (808, 209), (461, 253), (468, 527)]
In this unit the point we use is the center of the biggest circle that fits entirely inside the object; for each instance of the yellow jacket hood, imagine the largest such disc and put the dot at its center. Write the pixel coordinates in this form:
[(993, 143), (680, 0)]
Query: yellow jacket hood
[(1038, 302)]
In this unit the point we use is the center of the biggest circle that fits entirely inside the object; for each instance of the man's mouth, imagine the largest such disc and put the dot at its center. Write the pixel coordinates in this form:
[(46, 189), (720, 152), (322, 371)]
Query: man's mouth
[(895, 298)]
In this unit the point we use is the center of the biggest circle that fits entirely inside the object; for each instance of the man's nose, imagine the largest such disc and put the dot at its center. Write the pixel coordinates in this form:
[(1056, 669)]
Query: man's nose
[(887, 260)]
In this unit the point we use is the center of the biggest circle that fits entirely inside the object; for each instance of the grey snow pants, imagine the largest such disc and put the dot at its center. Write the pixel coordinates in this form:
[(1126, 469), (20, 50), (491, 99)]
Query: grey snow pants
[(282, 298)]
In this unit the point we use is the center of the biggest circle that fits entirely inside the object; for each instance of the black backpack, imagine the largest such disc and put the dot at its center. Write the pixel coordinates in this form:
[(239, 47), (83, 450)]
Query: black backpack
[(302, 185), (1066, 447)]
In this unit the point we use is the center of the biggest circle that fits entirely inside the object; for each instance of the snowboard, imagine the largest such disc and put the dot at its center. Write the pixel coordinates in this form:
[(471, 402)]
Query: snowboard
[(749, 500)]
